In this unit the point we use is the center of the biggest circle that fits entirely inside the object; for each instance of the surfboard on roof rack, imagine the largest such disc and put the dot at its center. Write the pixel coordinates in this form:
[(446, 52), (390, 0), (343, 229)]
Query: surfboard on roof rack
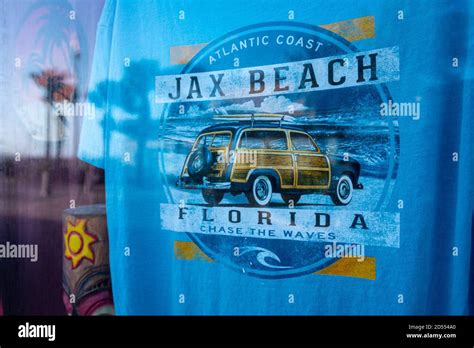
[(257, 117)]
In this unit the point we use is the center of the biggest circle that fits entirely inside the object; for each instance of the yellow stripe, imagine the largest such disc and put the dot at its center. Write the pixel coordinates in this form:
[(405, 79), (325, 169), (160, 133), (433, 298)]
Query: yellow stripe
[(183, 54), (189, 251), (352, 30), (348, 267)]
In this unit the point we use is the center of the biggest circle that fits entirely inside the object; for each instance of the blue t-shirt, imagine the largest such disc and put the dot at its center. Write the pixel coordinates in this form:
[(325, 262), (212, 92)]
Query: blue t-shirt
[(285, 157)]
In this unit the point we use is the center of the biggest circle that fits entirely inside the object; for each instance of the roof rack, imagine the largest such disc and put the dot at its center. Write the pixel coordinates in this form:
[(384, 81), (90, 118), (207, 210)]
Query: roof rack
[(257, 118)]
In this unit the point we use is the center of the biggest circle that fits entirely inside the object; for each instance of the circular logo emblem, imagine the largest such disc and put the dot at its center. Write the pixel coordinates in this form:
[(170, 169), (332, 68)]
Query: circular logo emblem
[(280, 239)]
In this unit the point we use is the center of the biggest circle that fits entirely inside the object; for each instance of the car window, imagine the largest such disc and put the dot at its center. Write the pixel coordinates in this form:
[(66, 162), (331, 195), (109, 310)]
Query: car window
[(251, 140), (221, 140), (302, 142), (255, 140), (276, 140), (205, 140)]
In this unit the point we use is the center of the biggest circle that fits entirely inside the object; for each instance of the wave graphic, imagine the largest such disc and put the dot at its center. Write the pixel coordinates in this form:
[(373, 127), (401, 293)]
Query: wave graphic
[(262, 255)]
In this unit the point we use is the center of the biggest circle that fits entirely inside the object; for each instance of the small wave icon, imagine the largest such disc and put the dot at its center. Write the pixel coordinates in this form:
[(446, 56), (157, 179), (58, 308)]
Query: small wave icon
[(262, 255)]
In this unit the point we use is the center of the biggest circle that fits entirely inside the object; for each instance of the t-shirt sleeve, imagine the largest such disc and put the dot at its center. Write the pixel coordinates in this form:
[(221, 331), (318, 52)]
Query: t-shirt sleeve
[(93, 139)]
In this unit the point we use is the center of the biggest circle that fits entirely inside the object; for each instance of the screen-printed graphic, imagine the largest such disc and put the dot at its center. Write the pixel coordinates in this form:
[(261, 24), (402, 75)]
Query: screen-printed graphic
[(274, 150)]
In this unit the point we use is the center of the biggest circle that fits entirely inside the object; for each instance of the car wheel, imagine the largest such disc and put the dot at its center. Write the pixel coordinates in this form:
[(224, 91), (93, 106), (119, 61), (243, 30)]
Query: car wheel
[(288, 198), (199, 163), (212, 197), (344, 190), (261, 193)]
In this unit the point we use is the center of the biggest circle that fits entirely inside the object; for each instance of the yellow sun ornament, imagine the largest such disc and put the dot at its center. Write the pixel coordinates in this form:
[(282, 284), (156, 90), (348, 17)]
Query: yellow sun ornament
[(78, 243)]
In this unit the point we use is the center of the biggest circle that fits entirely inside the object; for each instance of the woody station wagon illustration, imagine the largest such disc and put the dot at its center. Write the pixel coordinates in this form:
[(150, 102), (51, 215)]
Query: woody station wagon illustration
[(263, 154)]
